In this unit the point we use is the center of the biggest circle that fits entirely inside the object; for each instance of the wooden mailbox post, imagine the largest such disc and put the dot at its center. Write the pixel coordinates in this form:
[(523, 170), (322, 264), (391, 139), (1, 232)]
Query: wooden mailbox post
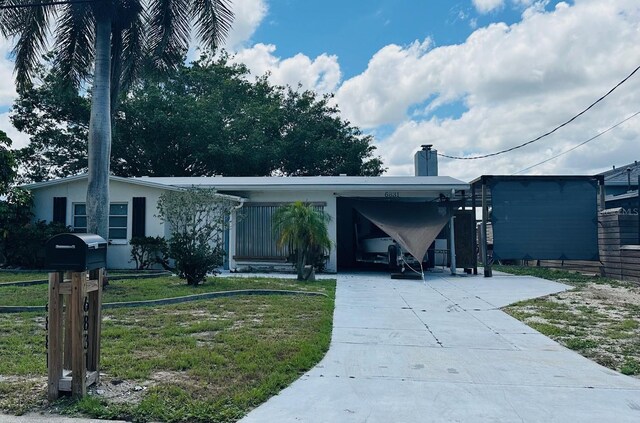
[(74, 312)]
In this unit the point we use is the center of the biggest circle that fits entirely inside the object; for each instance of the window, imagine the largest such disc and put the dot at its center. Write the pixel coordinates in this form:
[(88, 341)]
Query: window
[(117, 219), (79, 218)]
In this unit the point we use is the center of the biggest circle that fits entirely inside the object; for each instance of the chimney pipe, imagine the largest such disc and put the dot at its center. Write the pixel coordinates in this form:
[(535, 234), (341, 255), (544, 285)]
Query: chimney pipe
[(426, 161)]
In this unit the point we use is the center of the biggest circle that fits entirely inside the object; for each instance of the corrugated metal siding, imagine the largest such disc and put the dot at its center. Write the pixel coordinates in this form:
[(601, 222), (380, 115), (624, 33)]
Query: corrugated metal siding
[(255, 238), (254, 235)]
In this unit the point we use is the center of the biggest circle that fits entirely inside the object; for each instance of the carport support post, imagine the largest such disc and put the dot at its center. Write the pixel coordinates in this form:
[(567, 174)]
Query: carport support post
[(452, 244), (474, 230), (602, 193), (485, 216)]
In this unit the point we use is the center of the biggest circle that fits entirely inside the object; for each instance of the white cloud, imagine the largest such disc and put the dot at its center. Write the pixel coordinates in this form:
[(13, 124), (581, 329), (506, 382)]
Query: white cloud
[(516, 82), (486, 6), (321, 74), (248, 16), (7, 87), (18, 139)]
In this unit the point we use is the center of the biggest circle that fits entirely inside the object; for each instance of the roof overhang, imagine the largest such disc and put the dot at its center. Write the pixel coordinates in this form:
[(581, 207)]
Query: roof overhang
[(133, 181)]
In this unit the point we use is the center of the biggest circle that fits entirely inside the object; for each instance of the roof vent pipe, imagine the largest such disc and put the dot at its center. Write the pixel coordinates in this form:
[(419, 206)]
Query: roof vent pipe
[(426, 161)]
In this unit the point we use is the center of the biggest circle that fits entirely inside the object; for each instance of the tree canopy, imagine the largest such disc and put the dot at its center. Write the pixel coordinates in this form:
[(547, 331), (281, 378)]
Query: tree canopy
[(200, 120), (7, 163)]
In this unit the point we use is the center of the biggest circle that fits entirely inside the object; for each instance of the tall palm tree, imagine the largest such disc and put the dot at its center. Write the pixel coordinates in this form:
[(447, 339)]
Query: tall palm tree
[(303, 229), (113, 37)]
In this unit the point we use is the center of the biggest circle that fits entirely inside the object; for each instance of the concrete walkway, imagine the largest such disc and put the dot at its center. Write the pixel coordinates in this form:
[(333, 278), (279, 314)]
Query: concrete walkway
[(403, 351)]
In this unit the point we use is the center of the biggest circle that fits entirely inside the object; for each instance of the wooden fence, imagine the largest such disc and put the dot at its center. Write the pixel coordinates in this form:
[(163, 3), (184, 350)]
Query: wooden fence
[(618, 242)]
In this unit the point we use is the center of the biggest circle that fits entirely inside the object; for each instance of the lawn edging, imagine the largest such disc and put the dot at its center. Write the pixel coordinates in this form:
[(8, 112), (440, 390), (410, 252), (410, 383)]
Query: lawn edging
[(176, 300), (117, 277)]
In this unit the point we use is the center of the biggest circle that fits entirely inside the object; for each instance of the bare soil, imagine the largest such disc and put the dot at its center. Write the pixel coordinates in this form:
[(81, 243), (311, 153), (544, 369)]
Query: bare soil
[(599, 320)]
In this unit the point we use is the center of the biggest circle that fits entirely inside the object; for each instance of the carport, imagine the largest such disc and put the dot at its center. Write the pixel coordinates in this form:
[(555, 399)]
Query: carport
[(416, 212)]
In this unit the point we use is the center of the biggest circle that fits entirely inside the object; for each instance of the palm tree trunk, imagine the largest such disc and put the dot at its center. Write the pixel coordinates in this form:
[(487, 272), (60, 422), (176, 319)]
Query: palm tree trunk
[(100, 133), (300, 263)]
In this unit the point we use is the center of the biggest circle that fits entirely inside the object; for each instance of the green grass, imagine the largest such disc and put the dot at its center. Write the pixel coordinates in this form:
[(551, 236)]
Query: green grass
[(9, 276), (568, 278), (21, 276), (210, 360), (631, 367), (162, 287)]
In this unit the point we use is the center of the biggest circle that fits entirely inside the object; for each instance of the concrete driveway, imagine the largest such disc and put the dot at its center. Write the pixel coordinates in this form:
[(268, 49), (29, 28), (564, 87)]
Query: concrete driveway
[(403, 351)]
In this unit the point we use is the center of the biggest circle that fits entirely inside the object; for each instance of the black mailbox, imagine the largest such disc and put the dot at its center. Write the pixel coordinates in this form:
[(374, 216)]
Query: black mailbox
[(76, 252)]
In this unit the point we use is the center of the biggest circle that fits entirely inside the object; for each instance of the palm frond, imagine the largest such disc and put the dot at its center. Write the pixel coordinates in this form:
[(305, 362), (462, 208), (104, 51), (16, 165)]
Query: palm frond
[(212, 20), (75, 42), (169, 25), (31, 26), (134, 42)]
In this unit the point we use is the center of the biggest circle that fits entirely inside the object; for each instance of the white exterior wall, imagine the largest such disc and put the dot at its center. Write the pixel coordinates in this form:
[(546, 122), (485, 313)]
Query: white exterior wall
[(284, 197), (119, 252)]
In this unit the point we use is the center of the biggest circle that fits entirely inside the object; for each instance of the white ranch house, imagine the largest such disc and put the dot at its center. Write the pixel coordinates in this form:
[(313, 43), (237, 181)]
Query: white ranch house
[(249, 242)]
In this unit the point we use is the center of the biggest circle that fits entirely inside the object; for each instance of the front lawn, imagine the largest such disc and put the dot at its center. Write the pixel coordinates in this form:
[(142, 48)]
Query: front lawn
[(204, 361), (599, 318), (162, 287), (6, 276)]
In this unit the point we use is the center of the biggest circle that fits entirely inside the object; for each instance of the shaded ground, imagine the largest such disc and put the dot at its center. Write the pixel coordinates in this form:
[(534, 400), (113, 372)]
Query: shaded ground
[(599, 318)]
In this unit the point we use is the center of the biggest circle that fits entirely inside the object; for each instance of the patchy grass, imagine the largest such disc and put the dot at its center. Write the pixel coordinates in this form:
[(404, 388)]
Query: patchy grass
[(163, 287), (22, 276), (568, 278), (9, 276), (599, 318), (210, 360)]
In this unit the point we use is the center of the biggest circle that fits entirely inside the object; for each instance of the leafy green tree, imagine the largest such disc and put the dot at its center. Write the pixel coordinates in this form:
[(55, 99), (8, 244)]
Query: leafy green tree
[(197, 219), (112, 37), (56, 118), (303, 229), (199, 120), (7, 164)]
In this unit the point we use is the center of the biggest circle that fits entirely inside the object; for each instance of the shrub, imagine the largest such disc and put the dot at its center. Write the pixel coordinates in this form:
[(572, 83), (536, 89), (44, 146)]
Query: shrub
[(22, 241), (197, 218), (195, 258), (148, 250), (24, 245)]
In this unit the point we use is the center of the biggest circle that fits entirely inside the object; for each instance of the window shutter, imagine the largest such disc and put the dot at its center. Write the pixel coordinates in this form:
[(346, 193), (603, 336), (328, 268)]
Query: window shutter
[(60, 210), (138, 222)]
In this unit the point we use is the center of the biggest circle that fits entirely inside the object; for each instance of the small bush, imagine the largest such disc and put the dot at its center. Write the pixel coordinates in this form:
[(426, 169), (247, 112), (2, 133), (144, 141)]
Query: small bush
[(148, 250), (197, 218), (23, 246), (194, 257)]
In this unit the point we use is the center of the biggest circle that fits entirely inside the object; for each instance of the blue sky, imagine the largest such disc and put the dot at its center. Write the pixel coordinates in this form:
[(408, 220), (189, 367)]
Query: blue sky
[(469, 76), (354, 30)]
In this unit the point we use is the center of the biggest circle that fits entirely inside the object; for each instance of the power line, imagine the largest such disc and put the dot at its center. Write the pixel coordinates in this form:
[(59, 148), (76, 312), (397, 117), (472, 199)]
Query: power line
[(579, 145), (547, 133), (51, 3)]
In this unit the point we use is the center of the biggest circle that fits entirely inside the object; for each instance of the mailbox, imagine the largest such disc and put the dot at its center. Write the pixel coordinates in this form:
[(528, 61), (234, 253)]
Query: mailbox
[(76, 252)]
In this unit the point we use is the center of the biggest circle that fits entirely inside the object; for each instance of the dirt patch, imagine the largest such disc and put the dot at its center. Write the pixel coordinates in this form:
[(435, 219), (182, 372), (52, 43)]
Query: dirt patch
[(118, 390), (599, 320)]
